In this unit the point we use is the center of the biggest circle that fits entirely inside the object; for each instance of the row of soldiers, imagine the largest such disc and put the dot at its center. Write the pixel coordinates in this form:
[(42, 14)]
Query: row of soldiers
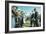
[(35, 19)]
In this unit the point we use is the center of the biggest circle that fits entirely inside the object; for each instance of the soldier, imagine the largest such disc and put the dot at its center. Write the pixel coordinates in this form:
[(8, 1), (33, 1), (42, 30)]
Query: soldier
[(36, 18), (18, 19), (32, 19), (13, 16)]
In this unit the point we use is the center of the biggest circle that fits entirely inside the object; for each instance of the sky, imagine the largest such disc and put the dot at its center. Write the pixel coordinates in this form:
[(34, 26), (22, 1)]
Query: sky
[(28, 9)]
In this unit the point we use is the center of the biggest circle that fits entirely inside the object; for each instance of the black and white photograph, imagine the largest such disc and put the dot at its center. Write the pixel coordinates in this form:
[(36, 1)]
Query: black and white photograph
[(25, 16)]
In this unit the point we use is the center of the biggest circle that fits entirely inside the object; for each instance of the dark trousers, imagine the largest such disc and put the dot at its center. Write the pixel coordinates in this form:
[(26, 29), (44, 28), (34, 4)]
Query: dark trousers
[(35, 23)]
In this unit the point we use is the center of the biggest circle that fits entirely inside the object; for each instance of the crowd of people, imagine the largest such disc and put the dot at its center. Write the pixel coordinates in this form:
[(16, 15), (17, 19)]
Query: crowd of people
[(17, 18)]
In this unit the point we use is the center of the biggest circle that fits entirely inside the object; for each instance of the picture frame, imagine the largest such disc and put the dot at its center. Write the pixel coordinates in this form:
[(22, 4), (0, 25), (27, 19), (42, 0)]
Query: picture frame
[(9, 4)]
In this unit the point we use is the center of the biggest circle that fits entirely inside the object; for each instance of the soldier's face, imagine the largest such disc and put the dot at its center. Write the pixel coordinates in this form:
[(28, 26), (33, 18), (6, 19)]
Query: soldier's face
[(14, 9), (34, 9), (17, 13)]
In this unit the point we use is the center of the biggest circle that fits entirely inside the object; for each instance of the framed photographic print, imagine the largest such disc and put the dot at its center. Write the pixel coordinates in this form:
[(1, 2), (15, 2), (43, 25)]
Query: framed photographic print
[(24, 16)]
